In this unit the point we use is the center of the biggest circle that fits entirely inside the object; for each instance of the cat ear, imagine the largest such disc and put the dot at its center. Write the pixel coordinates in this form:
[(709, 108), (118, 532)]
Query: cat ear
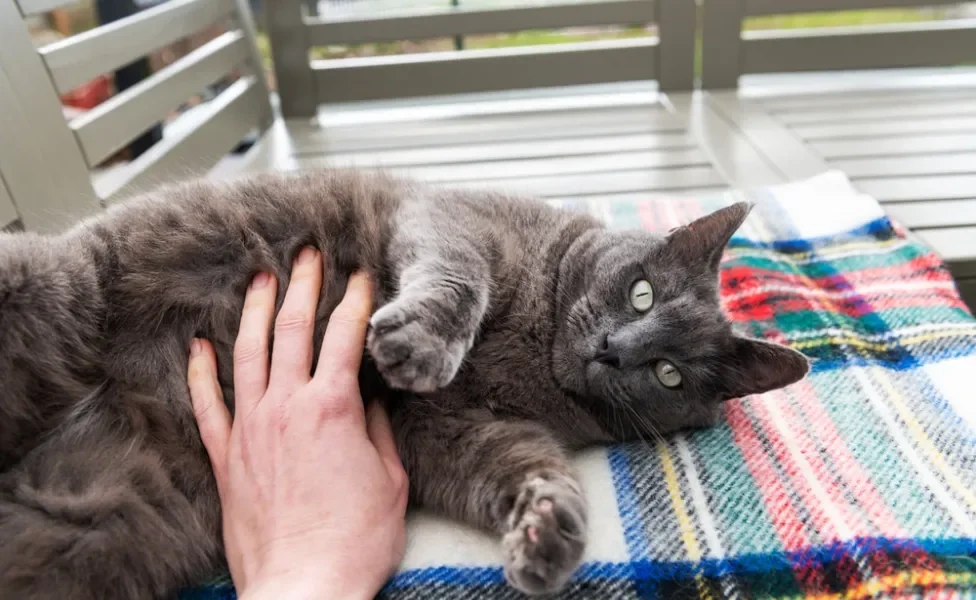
[(758, 367), (704, 239)]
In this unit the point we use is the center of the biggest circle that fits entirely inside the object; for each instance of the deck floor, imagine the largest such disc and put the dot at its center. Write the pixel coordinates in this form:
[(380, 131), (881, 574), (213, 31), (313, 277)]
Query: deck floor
[(908, 140)]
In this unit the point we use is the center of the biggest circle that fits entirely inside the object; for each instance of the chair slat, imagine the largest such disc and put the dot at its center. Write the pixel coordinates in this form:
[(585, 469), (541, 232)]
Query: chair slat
[(112, 124), (78, 59), (218, 128)]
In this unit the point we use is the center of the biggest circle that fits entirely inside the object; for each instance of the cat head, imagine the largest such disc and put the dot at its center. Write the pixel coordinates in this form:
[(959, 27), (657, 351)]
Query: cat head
[(645, 337)]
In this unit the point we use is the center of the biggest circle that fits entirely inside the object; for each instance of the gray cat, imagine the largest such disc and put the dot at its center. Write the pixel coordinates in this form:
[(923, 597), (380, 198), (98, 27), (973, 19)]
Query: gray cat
[(506, 334)]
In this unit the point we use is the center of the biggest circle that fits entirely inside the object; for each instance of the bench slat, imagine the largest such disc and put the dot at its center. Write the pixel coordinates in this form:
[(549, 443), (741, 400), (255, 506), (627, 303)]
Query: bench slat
[(606, 183), (79, 58), (886, 129), (911, 110), (900, 146), (937, 164), (934, 215), (112, 124), (495, 151), (918, 189), (508, 169), (222, 124)]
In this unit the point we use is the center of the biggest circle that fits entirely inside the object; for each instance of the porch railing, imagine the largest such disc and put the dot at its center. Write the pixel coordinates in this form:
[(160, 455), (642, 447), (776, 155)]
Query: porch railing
[(304, 84)]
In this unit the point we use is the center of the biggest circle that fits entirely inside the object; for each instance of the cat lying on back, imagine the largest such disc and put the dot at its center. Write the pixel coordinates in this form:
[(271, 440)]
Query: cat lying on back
[(506, 334)]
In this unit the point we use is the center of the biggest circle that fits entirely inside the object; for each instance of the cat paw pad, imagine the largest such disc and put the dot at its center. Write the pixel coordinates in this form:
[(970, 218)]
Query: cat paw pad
[(547, 536), (410, 353)]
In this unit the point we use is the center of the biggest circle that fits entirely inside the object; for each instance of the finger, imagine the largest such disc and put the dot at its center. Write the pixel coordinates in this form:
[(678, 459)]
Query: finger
[(380, 432), (345, 337), (213, 418), (251, 347), (291, 364)]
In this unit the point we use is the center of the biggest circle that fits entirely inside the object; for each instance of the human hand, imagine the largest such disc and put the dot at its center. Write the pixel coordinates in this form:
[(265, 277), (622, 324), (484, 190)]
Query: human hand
[(312, 488)]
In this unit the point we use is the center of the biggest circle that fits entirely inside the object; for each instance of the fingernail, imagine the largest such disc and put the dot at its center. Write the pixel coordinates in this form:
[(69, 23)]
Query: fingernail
[(260, 280), (196, 347), (307, 255)]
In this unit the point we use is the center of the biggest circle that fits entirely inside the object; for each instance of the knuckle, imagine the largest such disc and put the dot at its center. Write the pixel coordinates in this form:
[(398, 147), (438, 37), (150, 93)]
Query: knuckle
[(289, 321), (248, 349)]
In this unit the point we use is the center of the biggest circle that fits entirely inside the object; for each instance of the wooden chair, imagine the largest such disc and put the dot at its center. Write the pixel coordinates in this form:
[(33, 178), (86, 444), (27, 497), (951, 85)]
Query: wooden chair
[(48, 164)]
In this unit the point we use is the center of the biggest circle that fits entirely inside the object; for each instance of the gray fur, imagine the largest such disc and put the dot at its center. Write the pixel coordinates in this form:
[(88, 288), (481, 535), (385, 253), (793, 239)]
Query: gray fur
[(490, 313)]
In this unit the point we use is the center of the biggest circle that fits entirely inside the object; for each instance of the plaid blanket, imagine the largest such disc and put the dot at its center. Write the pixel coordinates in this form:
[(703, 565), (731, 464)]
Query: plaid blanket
[(857, 482)]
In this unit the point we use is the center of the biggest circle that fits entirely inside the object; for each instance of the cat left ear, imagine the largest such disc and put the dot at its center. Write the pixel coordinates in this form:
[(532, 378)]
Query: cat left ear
[(704, 239), (758, 367)]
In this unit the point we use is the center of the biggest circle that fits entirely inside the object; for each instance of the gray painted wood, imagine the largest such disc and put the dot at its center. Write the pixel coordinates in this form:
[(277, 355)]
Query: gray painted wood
[(288, 34), (935, 214), (530, 149), (223, 123), (915, 189), (722, 49), (886, 129), (43, 170), (595, 164), (112, 124), (773, 7), (441, 73), (823, 49), (427, 23), (8, 212), (244, 19), (81, 57), (607, 183), (967, 290), (903, 110), (677, 22), (777, 145), (909, 145), (955, 246), (473, 131), (864, 101), (734, 157), (902, 166)]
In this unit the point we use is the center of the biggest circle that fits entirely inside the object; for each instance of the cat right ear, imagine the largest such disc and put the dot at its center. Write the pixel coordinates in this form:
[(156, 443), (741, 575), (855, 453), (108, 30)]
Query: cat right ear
[(758, 367)]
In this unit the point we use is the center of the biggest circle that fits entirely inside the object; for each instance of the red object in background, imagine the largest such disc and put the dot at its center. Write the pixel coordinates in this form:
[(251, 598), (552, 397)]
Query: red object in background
[(89, 95)]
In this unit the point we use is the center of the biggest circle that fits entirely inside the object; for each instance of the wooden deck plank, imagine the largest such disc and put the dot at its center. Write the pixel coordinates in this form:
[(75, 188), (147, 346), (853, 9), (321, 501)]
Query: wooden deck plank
[(605, 183), (915, 189), (904, 145), (496, 151), (936, 214), (509, 169), (956, 246), (902, 166), (317, 141), (886, 129), (814, 102), (921, 108)]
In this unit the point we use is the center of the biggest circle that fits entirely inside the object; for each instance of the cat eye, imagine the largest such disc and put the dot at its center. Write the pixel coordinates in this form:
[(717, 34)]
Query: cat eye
[(667, 374), (642, 295)]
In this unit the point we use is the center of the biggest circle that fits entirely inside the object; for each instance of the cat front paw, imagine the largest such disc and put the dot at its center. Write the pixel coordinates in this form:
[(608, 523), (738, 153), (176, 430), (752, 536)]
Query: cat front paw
[(412, 352), (547, 535)]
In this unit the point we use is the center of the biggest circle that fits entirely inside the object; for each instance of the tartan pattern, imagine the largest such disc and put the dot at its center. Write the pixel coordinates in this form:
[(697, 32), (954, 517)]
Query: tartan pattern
[(857, 482)]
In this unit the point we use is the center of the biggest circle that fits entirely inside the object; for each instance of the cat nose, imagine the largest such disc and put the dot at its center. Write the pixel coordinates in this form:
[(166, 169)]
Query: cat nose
[(608, 354)]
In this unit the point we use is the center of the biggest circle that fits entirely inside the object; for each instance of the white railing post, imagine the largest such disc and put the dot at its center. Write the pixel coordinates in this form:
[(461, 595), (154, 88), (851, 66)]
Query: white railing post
[(721, 43), (676, 22), (288, 34)]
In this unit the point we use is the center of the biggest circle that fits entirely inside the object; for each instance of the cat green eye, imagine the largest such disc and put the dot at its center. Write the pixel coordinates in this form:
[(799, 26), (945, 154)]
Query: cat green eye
[(642, 296), (667, 374)]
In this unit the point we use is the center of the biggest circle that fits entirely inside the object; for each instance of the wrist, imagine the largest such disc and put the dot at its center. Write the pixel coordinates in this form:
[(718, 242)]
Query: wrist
[(298, 585)]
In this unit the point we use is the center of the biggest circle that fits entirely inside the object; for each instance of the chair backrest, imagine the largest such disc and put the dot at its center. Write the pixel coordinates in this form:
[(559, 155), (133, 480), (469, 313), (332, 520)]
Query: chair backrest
[(49, 163), (728, 52), (304, 84)]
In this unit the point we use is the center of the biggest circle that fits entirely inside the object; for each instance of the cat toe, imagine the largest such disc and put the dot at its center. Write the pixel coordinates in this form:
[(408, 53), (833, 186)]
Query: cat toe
[(548, 536), (410, 356)]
